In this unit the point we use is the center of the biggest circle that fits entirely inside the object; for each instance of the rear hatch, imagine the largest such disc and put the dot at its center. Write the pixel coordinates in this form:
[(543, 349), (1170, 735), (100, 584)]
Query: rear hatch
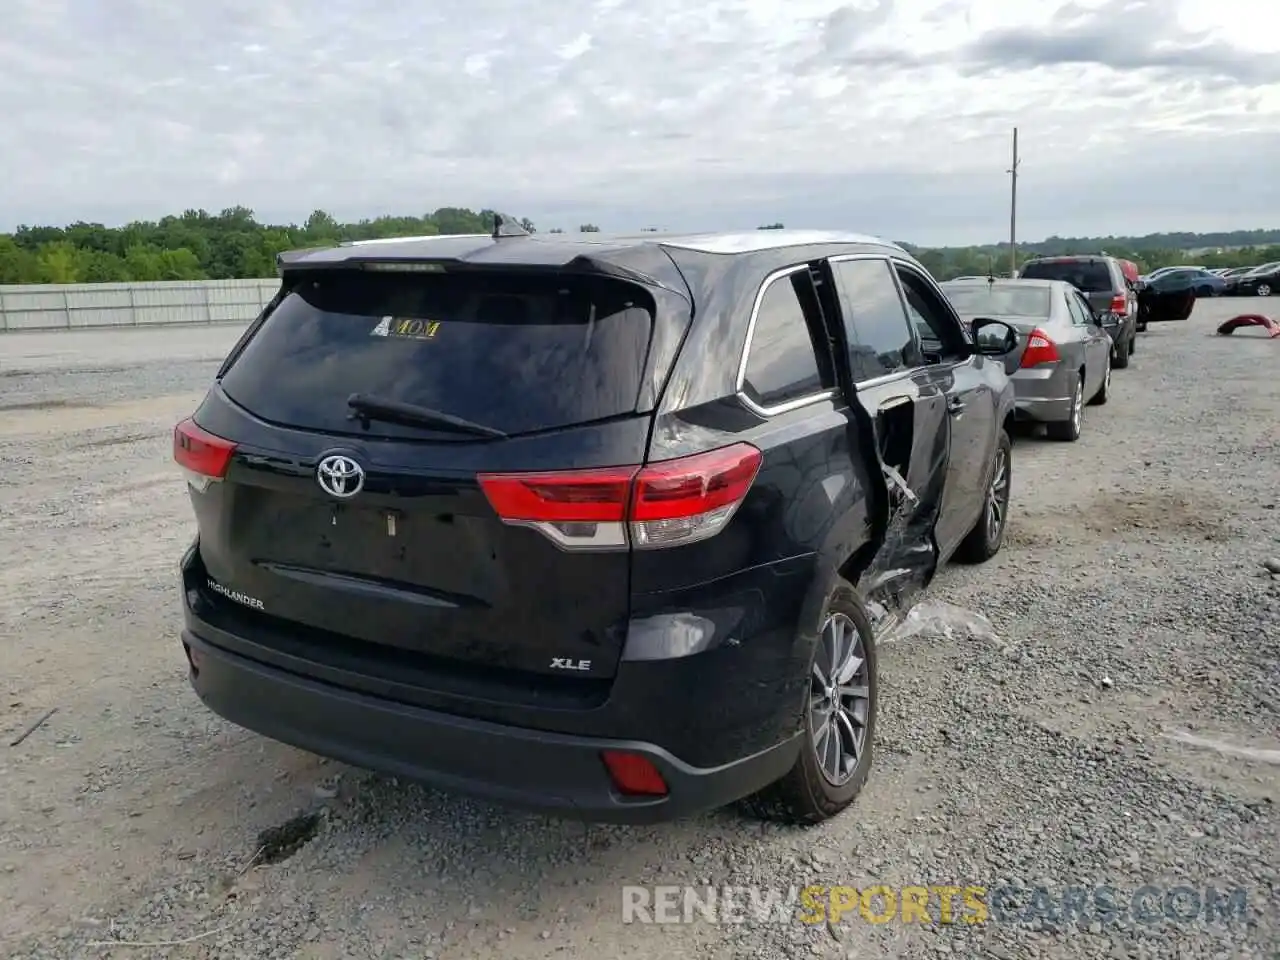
[(1091, 277), (530, 370)]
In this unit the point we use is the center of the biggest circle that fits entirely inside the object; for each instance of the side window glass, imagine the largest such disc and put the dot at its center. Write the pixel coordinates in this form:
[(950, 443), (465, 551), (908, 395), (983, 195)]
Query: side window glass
[(941, 336), (783, 361), (880, 337)]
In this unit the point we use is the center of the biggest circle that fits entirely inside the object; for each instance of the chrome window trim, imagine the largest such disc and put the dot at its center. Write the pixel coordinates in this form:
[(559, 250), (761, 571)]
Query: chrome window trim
[(892, 261), (886, 378), (739, 385)]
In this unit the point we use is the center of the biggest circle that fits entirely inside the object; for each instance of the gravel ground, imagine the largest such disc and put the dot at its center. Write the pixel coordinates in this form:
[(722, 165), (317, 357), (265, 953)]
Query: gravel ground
[(1132, 609)]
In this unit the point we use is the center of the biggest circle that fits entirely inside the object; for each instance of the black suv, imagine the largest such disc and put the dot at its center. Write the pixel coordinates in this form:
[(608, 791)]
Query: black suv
[(1102, 281), (588, 525)]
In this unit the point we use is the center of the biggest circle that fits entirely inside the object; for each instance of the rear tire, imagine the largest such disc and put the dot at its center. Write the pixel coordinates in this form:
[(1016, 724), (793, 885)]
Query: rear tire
[(984, 540), (809, 794), (1120, 355), (1068, 430), (1133, 343)]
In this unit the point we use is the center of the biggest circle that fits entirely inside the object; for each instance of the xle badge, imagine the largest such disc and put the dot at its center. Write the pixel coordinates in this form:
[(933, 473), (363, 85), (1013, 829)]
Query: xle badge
[(564, 663)]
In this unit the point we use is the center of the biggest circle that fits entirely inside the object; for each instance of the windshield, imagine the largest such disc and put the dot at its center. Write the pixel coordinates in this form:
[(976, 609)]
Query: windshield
[(998, 300), (517, 353), (1089, 276)]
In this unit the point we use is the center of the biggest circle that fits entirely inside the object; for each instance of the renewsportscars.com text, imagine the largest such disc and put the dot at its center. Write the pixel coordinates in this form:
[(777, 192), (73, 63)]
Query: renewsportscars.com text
[(933, 904)]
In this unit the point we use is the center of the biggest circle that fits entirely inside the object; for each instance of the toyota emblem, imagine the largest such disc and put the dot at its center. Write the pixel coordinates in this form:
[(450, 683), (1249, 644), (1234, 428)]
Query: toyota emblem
[(340, 476)]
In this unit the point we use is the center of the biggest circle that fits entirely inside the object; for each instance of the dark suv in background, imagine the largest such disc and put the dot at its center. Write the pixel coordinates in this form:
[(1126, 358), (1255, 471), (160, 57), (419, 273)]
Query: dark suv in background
[(591, 525), (1102, 281)]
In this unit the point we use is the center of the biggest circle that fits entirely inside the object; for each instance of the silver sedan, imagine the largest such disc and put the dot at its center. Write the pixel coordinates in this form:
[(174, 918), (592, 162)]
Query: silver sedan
[(1066, 353)]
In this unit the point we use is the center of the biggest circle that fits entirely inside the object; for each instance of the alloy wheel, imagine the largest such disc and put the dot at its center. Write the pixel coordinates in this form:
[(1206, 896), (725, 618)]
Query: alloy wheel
[(1077, 405), (998, 496), (1264, 290), (839, 699)]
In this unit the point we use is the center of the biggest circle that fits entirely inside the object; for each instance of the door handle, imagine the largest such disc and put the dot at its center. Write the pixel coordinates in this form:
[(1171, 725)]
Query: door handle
[(955, 406)]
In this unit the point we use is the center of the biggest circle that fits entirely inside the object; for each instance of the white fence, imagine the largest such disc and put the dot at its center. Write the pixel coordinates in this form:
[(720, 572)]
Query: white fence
[(77, 306)]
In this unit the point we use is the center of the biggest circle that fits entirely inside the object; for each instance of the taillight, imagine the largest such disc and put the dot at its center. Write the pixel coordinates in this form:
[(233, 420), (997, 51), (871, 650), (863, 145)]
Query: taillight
[(1119, 304), (669, 503), (1040, 349), (203, 457), (633, 775), (680, 501)]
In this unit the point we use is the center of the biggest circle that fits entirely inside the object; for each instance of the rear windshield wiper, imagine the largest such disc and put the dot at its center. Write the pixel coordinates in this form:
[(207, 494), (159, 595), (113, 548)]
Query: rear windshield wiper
[(377, 408)]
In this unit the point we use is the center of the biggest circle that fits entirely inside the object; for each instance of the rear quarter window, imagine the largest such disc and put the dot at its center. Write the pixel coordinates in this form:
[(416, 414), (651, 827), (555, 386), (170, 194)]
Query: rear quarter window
[(519, 353), (784, 360)]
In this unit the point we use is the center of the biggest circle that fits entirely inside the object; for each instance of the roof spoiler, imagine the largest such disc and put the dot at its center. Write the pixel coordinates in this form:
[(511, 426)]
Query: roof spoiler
[(584, 263)]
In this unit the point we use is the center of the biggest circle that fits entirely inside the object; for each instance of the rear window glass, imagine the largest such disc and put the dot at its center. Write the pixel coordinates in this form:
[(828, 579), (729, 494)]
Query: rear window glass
[(1090, 277), (996, 300), (518, 353)]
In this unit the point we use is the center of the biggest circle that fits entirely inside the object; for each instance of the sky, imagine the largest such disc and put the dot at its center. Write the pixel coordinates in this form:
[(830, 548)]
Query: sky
[(890, 117)]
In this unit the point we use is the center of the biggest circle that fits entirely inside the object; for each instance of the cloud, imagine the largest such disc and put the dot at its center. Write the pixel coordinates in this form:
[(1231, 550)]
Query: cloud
[(1123, 35), (889, 116)]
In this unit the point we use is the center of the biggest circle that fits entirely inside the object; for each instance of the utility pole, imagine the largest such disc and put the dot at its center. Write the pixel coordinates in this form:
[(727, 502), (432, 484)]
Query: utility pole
[(1013, 209)]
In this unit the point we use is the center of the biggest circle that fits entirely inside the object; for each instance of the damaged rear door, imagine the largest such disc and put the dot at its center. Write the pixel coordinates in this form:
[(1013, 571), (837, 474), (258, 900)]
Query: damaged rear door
[(908, 410), (972, 402)]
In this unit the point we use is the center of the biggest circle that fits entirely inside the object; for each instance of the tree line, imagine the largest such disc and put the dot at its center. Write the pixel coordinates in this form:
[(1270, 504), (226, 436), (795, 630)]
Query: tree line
[(198, 245)]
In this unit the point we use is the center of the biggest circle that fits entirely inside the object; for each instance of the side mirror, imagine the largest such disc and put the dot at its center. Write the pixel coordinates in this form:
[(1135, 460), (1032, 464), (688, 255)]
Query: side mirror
[(993, 338)]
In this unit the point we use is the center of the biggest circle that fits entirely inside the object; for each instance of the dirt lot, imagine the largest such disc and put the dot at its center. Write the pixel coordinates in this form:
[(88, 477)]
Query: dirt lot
[(1134, 616)]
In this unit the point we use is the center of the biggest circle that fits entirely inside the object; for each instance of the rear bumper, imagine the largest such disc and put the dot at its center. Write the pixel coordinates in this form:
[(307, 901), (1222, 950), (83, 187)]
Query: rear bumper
[(1042, 394), (1043, 411), (719, 720), (536, 770)]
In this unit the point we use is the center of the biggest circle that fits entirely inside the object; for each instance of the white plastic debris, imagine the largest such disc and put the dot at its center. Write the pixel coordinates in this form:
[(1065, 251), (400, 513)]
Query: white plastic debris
[(937, 618)]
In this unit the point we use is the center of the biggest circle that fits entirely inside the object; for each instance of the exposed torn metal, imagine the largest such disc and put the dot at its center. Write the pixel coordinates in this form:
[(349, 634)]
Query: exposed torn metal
[(905, 549)]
